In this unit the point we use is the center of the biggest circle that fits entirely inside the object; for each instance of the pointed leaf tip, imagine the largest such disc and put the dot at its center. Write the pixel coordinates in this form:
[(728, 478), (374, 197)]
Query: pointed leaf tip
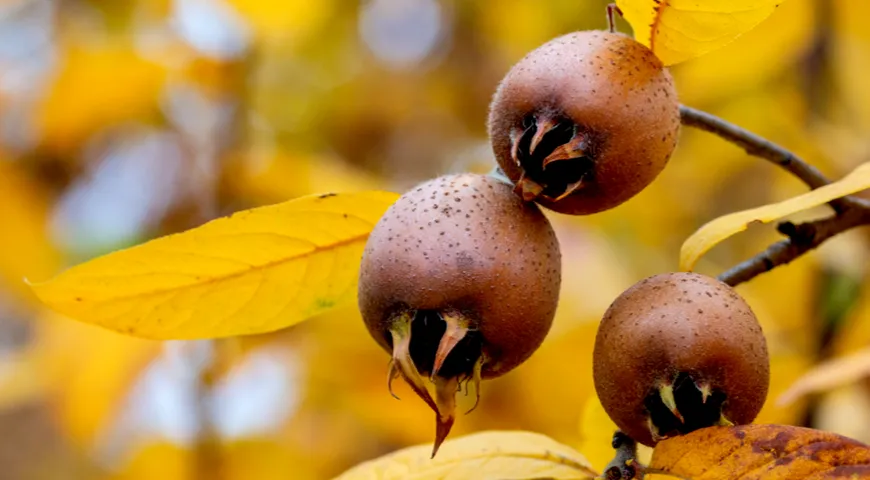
[(256, 271)]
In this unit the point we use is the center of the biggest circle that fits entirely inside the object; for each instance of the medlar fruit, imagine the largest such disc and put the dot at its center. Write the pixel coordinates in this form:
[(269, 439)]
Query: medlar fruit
[(585, 121), (459, 281), (677, 352)]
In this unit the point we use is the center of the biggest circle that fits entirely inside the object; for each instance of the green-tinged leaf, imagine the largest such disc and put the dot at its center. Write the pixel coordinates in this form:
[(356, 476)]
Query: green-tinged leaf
[(257, 271), (677, 30), (714, 232)]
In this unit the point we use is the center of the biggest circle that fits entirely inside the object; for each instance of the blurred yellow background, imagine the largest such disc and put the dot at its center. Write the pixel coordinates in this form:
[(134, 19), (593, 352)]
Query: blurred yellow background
[(121, 121)]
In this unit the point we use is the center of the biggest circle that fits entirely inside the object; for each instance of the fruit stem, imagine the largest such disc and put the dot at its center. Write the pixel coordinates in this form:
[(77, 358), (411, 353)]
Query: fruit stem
[(498, 174), (611, 18), (624, 465)]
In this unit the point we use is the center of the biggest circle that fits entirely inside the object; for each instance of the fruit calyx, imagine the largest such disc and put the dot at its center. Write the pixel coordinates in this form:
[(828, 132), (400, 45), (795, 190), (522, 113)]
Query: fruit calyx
[(683, 405), (554, 154), (442, 346)]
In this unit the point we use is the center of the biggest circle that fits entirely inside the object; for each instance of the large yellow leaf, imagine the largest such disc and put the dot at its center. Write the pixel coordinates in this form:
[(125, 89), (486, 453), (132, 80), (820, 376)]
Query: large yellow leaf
[(750, 62), (714, 232), (257, 271), (481, 456), (771, 452), (677, 30)]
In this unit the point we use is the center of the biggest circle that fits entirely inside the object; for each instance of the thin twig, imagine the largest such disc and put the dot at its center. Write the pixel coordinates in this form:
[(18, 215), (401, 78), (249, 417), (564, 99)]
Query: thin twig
[(802, 238), (758, 146), (850, 211)]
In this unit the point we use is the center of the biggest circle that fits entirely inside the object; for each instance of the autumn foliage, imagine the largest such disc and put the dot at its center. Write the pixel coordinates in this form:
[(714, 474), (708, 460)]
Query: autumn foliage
[(187, 189)]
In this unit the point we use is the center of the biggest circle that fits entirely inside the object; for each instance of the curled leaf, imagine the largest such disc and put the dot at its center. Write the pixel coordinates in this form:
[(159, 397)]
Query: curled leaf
[(677, 30), (762, 451), (257, 271), (715, 231), (829, 375), (485, 455)]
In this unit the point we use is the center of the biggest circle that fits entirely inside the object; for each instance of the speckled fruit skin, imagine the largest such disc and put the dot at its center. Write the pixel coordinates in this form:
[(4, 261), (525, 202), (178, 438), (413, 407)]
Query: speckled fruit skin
[(679, 322), (465, 242), (612, 87)]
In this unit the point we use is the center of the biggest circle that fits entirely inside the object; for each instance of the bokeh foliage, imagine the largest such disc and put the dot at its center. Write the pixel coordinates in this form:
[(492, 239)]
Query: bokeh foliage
[(121, 121)]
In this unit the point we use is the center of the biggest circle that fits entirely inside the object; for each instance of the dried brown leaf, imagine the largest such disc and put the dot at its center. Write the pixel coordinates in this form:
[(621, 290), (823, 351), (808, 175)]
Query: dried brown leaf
[(771, 452)]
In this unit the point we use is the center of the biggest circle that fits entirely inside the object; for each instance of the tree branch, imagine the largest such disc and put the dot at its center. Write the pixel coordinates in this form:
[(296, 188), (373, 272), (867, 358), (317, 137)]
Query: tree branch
[(802, 238), (758, 146), (850, 211)]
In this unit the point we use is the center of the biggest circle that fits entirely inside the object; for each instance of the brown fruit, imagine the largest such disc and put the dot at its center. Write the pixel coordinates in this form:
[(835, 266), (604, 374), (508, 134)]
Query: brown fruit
[(585, 121), (459, 281), (677, 352)]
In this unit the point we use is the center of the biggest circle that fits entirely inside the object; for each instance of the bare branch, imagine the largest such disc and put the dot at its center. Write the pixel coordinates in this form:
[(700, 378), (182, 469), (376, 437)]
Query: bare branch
[(802, 238), (758, 146), (850, 211)]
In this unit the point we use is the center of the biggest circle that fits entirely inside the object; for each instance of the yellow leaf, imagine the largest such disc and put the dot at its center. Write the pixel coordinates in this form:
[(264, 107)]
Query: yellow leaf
[(677, 30), (829, 375), (481, 456), (714, 232), (772, 452), (257, 271), (747, 63)]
